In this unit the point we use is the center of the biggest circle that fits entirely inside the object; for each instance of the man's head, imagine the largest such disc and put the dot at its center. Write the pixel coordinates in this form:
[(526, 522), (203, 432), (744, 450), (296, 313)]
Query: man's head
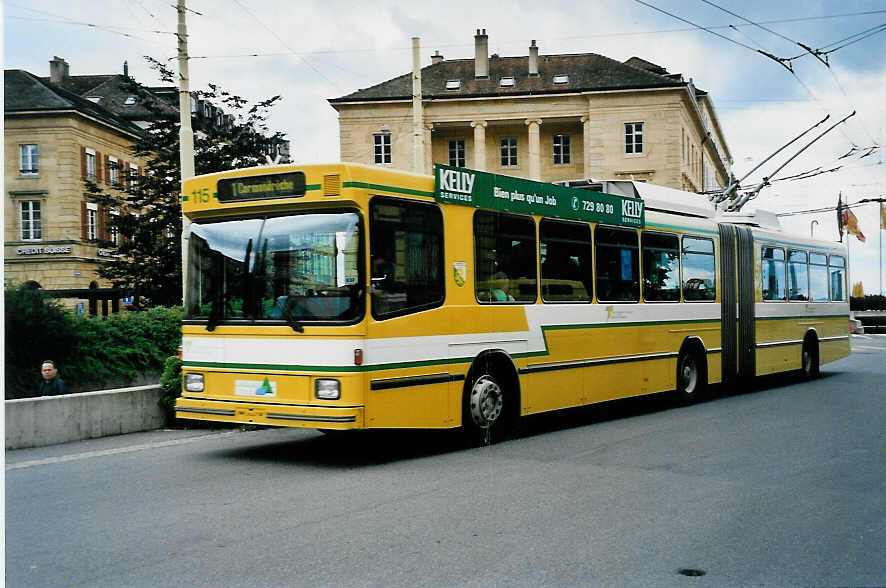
[(49, 369)]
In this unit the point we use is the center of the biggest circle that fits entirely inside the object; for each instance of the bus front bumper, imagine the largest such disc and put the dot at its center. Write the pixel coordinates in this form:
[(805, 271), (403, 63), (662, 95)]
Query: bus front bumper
[(280, 415)]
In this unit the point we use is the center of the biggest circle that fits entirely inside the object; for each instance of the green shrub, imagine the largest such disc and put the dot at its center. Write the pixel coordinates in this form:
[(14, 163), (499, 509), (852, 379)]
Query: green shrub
[(171, 385), (92, 352)]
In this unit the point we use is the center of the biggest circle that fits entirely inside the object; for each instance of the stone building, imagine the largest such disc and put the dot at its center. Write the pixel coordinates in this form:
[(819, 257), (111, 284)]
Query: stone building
[(53, 140), (59, 131), (543, 117)]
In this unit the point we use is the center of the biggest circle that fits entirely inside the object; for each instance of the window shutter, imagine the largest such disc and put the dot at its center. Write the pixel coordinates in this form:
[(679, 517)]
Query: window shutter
[(83, 233), (98, 167), (100, 221), (83, 162), (107, 170), (123, 174)]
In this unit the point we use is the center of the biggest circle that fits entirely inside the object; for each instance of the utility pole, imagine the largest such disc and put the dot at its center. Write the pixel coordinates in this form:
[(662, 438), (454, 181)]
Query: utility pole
[(185, 133)]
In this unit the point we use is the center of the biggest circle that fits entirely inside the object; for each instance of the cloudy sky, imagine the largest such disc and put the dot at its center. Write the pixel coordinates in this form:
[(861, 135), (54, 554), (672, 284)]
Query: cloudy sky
[(309, 51)]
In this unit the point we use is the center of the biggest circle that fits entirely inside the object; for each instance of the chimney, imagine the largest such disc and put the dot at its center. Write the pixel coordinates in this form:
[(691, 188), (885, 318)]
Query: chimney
[(436, 58), (58, 70), (481, 55), (125, 69), (533, 60)]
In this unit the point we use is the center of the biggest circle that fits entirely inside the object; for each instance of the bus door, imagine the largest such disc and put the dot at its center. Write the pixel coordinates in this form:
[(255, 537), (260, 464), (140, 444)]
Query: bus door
[(738, 336)]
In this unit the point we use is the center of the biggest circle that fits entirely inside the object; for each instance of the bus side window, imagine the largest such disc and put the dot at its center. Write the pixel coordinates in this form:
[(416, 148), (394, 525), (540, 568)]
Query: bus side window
[(661, 267), (618, 271), (818, 277), (505, 257), (699, 268), (773, 273), (837, 269), (406, 256), (798, 275), (565, 255)]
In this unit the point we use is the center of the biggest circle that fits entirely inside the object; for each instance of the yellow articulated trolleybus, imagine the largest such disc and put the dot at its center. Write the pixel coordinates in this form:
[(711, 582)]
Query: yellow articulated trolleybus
[(347, 296)]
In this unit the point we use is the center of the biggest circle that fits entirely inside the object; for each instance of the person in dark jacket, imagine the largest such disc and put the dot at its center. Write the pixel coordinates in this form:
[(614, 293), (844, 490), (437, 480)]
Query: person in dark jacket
[(52, 384)]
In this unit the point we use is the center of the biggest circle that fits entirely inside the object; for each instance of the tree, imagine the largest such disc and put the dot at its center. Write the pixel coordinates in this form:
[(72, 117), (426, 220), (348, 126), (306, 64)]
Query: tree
[(143, 227)]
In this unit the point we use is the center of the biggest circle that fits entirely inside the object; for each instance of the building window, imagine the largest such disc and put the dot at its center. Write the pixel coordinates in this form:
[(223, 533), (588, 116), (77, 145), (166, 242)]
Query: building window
[(133, 176), (113, 231), (506, 81), (382, 147), (114, 171), (509, 152), (562, 150), (90, 165), (634, 137), (453, 84), (457, 152), (91, 221), (561, 79), (31, 222), (30, 160)]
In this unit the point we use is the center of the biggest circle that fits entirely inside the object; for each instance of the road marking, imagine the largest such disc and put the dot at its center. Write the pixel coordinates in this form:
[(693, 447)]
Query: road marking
[(854, 347), (105, 452)]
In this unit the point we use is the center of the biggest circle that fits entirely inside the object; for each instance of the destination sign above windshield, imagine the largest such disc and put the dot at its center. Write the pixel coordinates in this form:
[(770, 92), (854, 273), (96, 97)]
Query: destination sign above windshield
[(286, 185), (455, 185)]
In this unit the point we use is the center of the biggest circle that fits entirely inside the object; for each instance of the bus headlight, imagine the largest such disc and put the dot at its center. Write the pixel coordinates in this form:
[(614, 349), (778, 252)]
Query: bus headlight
[(327, 389), (194, 382)]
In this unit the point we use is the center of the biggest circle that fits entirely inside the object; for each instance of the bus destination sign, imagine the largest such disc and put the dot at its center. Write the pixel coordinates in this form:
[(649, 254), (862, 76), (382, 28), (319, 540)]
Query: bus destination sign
[(286, 185), (456, 185)]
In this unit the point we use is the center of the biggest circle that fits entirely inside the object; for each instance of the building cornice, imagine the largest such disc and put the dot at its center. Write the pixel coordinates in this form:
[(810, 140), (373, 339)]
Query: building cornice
[(70, 112)]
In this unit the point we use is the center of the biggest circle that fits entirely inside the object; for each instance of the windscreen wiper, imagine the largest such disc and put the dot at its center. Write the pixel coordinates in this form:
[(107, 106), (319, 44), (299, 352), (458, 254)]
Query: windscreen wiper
[(290, 318)]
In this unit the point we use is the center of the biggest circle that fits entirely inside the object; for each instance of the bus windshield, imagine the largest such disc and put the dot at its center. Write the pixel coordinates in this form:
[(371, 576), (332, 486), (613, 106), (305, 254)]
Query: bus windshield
[(301, 267)]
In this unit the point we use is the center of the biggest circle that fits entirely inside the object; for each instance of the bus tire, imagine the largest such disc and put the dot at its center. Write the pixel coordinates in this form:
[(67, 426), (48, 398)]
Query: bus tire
[(488, 408), (809, 364), (692, 377)]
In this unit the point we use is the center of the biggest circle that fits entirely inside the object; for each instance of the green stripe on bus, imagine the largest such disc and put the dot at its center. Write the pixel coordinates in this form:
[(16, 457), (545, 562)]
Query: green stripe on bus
[(395, 189)]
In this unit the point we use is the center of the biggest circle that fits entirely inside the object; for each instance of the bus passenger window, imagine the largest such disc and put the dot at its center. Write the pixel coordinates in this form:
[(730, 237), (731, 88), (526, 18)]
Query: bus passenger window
[(837, 269), (699, 268), (818, 277), (798, 275), (505, 258), (406, 256), (618, 271), (773, 274), (661, 267), (565, 254)]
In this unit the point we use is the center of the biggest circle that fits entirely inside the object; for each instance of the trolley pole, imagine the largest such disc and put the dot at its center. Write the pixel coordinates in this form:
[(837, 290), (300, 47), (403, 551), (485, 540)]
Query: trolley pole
[(185, 133)]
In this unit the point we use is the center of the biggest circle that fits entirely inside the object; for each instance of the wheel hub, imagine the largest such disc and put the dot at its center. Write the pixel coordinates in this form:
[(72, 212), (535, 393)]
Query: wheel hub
[(486, 402)]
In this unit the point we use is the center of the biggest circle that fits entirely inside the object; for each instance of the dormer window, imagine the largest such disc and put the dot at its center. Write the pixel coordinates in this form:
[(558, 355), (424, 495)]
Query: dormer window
[(561, 79), (130, 100), (506, 82), (453, 84)]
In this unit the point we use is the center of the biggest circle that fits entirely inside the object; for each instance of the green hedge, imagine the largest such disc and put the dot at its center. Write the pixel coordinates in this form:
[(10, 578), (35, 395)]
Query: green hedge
[(92, 352)]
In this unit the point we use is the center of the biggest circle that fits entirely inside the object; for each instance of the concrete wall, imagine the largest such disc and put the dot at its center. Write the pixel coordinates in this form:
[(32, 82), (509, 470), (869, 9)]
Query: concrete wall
[(35, 422)]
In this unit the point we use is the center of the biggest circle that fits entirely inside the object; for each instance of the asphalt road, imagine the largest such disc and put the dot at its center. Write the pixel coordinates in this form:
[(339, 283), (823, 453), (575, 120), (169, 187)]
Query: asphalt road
[(782, 485)]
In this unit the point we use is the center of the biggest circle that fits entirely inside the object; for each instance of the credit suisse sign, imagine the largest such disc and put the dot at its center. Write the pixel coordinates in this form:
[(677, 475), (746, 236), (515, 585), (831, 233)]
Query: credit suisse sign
[(42, 250), (455, 185)]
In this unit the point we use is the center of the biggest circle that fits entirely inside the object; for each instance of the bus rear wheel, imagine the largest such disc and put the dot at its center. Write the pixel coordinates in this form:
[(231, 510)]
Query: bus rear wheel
[(809, 361), (691, 377)]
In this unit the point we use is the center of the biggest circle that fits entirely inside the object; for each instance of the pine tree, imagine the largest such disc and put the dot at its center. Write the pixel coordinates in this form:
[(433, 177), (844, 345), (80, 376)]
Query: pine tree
[(146, 217)]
